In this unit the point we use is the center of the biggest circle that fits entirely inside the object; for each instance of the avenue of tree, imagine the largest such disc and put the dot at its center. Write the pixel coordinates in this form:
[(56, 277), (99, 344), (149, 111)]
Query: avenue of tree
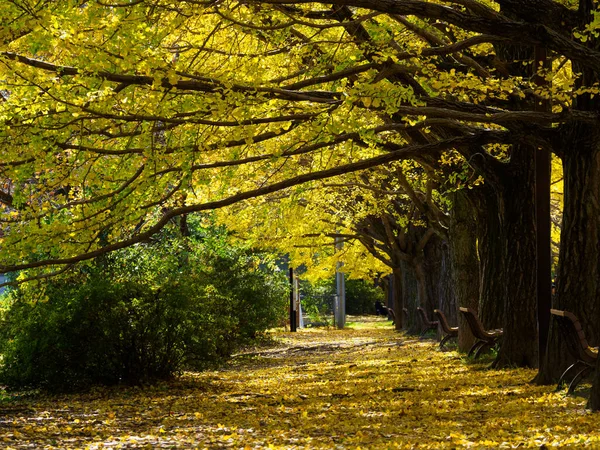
[(408, 127)]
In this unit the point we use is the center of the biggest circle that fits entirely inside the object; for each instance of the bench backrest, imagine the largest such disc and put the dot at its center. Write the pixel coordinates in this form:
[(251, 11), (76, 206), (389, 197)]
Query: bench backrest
[(474, 323), (392, 314), (573, 333), (443, 321), (423, 316)]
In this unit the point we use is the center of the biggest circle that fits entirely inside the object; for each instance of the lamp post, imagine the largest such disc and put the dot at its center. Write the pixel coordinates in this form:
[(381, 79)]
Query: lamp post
[(339, 306), (293, 323)]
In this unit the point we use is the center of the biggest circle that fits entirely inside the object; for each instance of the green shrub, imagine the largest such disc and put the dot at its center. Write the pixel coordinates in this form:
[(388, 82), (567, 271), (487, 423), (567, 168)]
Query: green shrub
[(258, 296), (361, 297), (145, 313)]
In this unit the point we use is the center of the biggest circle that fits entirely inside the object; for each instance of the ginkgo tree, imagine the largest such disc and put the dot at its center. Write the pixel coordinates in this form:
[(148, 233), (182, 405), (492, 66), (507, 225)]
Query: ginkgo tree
[(372, 209), (110, 137), (403, 216), (119, 116)]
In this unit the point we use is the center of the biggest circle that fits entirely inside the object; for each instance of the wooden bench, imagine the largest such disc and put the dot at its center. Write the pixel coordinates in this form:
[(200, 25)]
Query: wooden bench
[(449, 332), (391, 315), (427, 324), (585, 356), (484, 339)]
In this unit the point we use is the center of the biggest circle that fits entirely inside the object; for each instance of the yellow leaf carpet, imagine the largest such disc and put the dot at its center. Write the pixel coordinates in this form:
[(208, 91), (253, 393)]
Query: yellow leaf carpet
[(363, 387)]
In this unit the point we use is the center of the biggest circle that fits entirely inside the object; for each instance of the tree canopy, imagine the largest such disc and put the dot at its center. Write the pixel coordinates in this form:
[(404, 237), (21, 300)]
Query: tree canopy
[(118, 117)]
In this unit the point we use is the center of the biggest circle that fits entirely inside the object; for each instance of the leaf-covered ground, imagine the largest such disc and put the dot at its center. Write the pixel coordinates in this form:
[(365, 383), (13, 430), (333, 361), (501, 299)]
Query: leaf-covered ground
[(364, 387)]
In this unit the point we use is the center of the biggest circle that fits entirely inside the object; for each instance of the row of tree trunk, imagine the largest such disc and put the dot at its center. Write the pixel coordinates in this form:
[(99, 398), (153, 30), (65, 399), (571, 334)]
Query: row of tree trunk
[(488, 262), (486, 258)]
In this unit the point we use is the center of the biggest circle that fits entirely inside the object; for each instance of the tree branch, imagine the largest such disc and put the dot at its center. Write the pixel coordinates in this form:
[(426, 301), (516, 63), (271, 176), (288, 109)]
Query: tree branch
[(401, 153)]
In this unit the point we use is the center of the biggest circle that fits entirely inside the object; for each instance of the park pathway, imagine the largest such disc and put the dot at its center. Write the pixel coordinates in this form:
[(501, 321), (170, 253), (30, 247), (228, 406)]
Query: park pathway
[(363, 387)]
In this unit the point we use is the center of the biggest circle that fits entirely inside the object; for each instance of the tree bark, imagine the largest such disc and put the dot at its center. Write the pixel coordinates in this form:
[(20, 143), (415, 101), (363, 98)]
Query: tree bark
[(490, 248), (433, 261), (447, 296), (578, 280), (578, 272), (423, 298), (398, 298), (440, 294), (410, 298), (517, 213), (464, 262), (515, 191)]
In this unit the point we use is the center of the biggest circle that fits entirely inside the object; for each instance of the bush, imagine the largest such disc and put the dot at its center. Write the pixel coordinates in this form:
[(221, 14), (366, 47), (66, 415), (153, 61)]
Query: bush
[(317, 298), (361, 297), (145, 313)]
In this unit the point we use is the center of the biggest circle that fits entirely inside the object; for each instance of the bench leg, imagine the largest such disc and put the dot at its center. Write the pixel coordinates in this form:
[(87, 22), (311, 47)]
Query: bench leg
[(425, 330), (471, 349), (485, 346), (475, 347), (444, 340), (495, 362), (563, 377), (577, 378)]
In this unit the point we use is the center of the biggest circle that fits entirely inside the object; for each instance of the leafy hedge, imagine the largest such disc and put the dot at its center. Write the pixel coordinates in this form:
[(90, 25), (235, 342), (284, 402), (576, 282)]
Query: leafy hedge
[(141, 314)]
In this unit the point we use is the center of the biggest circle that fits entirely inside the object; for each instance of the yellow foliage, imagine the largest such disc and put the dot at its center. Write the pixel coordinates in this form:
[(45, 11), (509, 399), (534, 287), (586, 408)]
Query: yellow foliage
[(139, 109)]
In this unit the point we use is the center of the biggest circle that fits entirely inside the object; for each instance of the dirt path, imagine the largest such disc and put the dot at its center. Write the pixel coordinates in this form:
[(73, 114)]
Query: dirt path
[(368, 387)]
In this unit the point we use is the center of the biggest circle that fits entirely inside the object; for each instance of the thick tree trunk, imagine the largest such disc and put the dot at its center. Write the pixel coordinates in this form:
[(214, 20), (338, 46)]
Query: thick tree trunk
[(440, 294), (465, 266), (447, 297), (398, 298), (578, 272), (423, 297), (515, 192), (491, 251), (433, 261), (517, 206), (410, 298)]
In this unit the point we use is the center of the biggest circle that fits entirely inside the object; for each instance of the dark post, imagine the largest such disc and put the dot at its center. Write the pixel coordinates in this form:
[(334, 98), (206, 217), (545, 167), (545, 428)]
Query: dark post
[(292, 306), (340, 311), (542, 211), (391, 293)]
